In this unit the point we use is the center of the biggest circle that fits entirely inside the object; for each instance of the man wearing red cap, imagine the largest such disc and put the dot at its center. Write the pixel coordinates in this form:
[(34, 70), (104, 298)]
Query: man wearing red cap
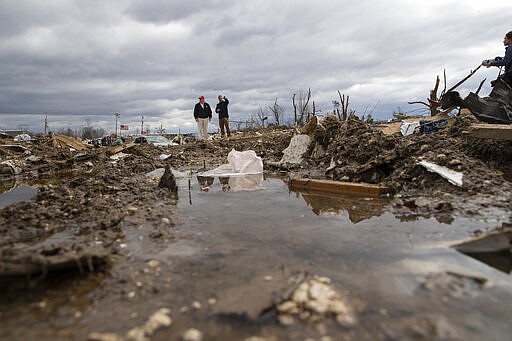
[(202, 115)]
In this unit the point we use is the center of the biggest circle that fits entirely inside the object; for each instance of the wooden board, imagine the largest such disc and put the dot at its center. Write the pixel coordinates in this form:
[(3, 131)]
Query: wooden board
[(501, 132), (338, 186)]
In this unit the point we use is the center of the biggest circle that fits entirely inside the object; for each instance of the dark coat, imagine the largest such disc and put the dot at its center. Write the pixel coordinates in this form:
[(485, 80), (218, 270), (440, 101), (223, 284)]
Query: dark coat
[(506, 61), (222, 108), (200, 112)]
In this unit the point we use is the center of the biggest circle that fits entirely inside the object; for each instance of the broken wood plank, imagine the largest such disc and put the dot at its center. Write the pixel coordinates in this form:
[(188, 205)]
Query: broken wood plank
[(339, 186), (62, 141), (14, 147), (501, 132)]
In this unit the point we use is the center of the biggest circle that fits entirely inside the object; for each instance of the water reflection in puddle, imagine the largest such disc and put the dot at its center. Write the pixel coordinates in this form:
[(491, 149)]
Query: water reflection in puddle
[(17, 194), (242, 237)]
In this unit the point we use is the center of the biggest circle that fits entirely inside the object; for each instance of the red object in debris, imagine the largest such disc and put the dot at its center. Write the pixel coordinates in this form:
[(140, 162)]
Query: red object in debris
[(205, 189)]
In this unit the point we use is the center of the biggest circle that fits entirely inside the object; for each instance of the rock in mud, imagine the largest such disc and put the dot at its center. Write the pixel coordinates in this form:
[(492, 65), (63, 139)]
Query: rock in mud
[(192, 334), (313, 301)]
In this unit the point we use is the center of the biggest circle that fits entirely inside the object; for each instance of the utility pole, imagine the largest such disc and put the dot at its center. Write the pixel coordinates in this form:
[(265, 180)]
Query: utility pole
[(142, 125), (45, 123), (117, 116)]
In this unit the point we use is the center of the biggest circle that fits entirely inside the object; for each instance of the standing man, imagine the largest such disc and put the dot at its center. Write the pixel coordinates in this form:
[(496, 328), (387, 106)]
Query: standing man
[(505, 61), (222, 110), (202, 115)]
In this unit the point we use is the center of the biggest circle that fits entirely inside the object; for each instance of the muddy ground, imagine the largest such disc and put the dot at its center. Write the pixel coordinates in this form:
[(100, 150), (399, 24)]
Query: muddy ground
[(71, 236)]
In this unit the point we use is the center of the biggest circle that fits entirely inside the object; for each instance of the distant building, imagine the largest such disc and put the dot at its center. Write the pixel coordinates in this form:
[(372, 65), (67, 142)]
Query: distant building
[(12, 133)]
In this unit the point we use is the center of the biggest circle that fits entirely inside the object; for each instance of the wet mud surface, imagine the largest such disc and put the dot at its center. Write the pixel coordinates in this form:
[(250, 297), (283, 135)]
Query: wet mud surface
[(99, 249)]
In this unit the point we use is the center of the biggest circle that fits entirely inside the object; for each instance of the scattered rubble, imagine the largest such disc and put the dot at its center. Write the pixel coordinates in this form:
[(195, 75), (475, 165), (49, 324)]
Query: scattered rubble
[(87, 197), (314, 300)]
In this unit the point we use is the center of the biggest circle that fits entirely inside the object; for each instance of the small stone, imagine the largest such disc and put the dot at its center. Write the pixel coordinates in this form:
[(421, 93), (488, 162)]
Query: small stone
[(324, 280), (192, 335), (196, 305), (268, 278), (289, 307), (212, 301), (300, 295), (159, 319), (131, 294), (338, 307), (166, 221), (153, 263), (132, 209), (285, 319), (454, 162)]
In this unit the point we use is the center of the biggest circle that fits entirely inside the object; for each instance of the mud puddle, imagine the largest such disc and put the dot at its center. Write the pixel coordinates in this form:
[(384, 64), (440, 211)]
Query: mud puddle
[(236, 253), (240, 248)]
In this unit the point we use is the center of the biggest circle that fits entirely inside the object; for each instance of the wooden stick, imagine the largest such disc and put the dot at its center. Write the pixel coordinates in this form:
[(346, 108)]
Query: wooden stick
[(464, 79)]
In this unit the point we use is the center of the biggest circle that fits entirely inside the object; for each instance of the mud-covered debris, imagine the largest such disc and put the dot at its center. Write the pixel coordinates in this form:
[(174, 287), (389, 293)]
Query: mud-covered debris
[(491, 247), (10, 167), (454, 284), (314, 301), (19, 263), (293, 154), (62, 141), (168, 181), (16, 148)]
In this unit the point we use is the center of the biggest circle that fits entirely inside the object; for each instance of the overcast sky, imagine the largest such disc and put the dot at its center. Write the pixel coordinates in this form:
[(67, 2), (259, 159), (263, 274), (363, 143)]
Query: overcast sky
[(82, 61)]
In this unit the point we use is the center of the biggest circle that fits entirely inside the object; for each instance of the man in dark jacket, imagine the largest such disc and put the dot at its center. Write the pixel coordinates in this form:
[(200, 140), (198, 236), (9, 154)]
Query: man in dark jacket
[(505, 61), (222, 110), (202, 115)]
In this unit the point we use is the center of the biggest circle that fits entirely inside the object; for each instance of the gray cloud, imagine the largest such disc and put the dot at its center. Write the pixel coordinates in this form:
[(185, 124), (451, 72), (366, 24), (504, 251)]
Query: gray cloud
[(80, 62)]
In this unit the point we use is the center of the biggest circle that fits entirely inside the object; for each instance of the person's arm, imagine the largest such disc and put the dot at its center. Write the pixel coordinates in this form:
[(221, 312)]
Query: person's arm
[(505, 60), (195, 112), (227, 101)]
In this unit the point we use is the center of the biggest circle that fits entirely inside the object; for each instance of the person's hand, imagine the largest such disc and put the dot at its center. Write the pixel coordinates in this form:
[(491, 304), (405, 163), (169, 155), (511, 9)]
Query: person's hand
[(197, 119), (486, 63)]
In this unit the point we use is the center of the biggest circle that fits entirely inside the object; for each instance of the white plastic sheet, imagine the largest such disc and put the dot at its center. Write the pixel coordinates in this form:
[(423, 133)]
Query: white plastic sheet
[(452, 176), (22, 137), (244, 169), (245, 162), (239, 163), (407, 128)]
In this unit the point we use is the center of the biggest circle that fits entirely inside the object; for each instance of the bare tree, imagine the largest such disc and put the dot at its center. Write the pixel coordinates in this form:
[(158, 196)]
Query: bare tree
[(303, 106), (336, 109), (294, 111), (344, 100), (434, 100), (277, 110), (262, 117)]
